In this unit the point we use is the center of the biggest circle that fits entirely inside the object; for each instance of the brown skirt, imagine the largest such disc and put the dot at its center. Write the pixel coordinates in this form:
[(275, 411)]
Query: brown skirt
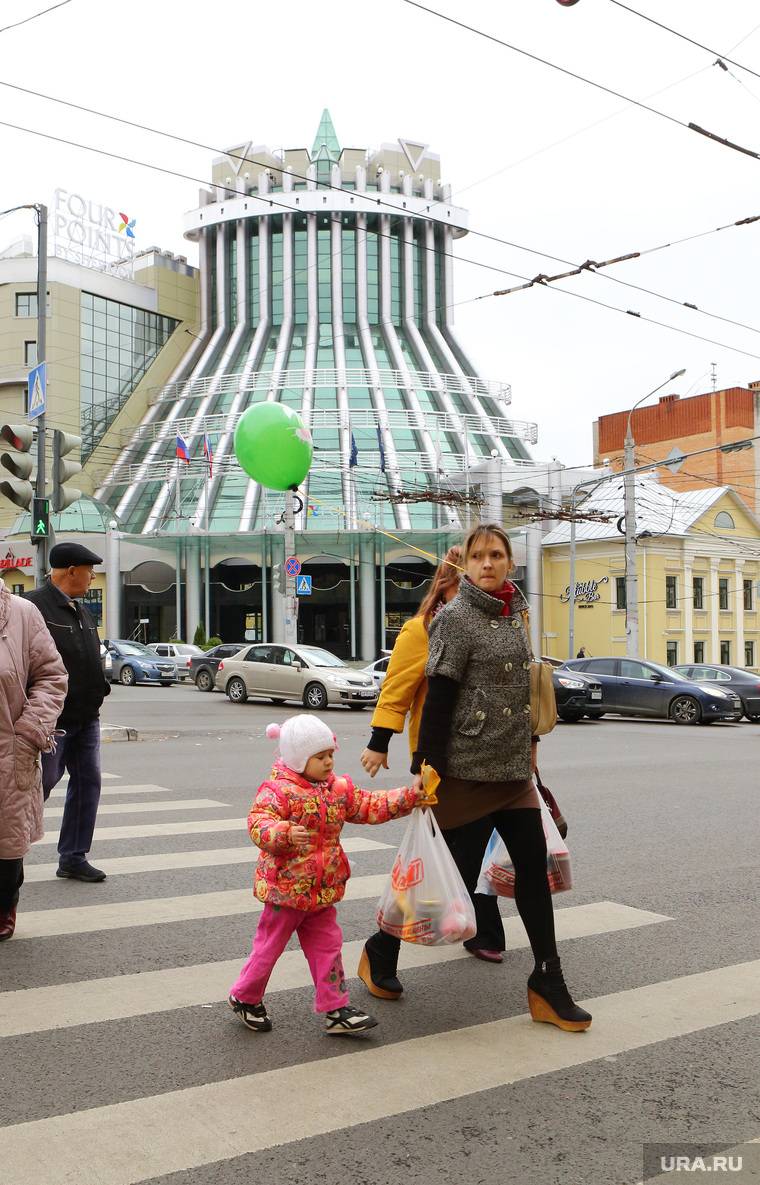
[(461, 801)]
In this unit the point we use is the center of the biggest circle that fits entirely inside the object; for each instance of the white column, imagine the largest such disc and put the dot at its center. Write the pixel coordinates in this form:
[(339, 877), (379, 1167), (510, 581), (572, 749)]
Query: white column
[(113, 582), (193, 603), (712, 592), (687, 609), (533, 593), (738, 657), (367, 643), (278, 600)]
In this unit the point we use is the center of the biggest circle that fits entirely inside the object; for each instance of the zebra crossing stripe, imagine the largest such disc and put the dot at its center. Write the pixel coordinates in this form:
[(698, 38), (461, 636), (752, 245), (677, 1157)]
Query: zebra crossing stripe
[(34, 1010), (150, 830), (167, 861), (184, 1129), (60, 790), (137, 808)]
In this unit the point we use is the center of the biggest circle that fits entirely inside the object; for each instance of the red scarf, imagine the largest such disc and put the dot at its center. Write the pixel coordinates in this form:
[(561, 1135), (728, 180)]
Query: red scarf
[(505, 595)]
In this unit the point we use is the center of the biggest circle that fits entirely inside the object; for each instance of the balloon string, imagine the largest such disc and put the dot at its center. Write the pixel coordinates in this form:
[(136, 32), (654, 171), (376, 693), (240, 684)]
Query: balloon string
[(380, 531)]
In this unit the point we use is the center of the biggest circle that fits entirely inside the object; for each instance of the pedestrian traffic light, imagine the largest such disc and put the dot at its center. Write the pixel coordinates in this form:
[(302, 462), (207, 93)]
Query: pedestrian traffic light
[(278, 577), (17, 488), (40, 519), (63, 471)]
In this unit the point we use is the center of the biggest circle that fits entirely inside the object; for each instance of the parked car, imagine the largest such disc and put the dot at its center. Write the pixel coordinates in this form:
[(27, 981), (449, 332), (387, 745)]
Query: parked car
[(745, 684), (305, 673), (377, 670), (577, 695), (180, 652), (634, 687), (106, 661), (134, 662), (203, 667)]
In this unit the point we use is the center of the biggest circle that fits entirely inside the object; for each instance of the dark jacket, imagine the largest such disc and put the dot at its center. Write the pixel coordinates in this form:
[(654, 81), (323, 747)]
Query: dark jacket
[(75, 634)]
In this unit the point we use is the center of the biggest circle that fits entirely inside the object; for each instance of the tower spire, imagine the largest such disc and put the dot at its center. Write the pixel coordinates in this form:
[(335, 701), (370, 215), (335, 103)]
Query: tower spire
[(325, 141)]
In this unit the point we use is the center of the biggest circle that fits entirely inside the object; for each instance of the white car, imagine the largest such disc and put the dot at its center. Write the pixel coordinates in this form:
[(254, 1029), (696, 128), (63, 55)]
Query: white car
[(179, 652), (308, 674), (377, 670)]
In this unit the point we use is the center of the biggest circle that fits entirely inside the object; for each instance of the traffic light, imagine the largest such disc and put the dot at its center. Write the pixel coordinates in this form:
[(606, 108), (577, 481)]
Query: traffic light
[(278, 577), (40, 519), (17, 488), (63, 471)]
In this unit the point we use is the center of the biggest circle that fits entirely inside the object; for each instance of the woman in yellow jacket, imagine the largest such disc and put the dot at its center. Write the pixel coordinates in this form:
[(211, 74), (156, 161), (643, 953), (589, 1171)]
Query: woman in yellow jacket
[(402, 695)]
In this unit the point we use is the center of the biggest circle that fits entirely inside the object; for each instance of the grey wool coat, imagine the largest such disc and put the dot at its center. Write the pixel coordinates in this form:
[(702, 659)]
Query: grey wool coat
[(489, 657)]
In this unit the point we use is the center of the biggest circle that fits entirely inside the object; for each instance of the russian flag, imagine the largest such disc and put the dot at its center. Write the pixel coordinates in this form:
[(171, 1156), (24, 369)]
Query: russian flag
[(182, 451), (207, 454)]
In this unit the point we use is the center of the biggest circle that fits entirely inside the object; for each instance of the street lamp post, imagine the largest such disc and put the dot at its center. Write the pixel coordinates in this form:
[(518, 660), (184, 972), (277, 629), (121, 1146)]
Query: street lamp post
[(631, 578)]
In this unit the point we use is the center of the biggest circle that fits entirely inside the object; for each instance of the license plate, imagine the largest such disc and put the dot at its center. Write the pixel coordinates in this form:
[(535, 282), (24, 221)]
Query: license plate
[(596, 695), (366, 694)]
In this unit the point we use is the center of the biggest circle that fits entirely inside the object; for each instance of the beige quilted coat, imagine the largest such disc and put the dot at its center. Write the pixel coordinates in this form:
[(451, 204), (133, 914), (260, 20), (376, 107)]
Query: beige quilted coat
[(33, 685)]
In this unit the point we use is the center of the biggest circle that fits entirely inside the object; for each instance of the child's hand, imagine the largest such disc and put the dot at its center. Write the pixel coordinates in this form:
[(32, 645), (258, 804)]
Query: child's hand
[(373, 761), (298, 835)]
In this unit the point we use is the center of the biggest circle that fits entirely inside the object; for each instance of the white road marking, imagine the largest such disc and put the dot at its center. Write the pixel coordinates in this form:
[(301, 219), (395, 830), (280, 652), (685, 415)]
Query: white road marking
[(34, 1010), (164, 861), (184, 1129), (129, 808), (60, 790), (148, 830)]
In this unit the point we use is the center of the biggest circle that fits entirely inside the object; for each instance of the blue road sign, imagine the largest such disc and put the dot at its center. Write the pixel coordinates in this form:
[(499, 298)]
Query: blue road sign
[(37, 391), (292, 566), (303, 586)]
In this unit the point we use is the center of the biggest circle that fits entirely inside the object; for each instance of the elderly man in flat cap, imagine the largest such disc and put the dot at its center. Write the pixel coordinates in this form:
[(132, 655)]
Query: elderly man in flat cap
[(74, 632)]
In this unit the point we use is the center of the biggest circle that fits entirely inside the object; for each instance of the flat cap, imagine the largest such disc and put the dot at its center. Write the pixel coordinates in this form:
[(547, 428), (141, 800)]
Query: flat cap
[(66, 555)]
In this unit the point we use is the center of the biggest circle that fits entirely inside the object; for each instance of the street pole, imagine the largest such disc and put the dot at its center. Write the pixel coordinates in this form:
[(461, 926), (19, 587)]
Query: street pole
[(291, 631), (631, 576), (571, 604), (41, 546)]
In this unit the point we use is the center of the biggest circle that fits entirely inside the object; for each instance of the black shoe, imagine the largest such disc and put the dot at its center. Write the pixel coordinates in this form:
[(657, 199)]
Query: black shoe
[(254, 1016), (345, 1021), (81, 872), (549, 999), (379, 975)]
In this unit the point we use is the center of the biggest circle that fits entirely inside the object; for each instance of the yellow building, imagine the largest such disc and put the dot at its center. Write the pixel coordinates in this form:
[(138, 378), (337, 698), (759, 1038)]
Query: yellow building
[(698, 567)]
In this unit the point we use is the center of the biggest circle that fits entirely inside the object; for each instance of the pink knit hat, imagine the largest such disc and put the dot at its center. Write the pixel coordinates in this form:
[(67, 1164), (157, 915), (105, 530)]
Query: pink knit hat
[(300, 738)]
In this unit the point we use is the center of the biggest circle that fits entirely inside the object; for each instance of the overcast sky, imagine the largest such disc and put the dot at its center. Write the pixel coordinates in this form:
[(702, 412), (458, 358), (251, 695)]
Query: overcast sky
[(541, 160)]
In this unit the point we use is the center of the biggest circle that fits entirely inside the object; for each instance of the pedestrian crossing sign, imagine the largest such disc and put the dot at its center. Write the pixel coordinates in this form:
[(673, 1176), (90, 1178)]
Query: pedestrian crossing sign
[(37, 391), (303, 586)]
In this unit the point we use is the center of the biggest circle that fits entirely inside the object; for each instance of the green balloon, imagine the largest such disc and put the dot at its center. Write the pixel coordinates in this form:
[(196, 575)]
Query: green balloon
[(273, 445)]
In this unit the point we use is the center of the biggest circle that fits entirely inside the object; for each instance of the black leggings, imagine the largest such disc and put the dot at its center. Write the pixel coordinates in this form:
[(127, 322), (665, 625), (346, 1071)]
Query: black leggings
[(523, 834)]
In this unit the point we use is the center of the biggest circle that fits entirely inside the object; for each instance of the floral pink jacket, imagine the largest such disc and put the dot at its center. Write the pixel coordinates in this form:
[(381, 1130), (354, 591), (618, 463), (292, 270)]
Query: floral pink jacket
[(314, 874)]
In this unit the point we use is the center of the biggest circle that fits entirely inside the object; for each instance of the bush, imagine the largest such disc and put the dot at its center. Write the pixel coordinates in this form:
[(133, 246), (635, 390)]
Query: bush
[(212, 642), (199, 637)]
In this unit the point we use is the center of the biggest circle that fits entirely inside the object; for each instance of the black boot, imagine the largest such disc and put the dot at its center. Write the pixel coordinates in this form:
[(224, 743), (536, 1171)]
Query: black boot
[(549, 999), (377, 966)]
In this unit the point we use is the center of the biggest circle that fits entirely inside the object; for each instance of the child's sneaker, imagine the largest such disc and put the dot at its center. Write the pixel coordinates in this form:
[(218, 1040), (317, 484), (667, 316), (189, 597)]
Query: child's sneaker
[(254, 1016), (347, 1020)]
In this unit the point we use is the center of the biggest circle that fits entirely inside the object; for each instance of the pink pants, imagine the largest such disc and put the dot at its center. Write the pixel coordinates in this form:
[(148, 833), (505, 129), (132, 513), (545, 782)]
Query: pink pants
[(321, 941)]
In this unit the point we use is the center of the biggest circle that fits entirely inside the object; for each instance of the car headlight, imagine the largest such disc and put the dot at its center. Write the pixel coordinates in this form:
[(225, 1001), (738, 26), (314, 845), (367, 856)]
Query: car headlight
[(339, 681), (146, 664), (717, 694), (576, 683)]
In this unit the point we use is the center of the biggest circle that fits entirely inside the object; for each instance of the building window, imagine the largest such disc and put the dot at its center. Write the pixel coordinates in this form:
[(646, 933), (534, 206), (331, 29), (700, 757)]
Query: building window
[(620, 592), (699, 594), (725, 653), (26, 304), (671, 651), (18, 591), (671, 593), (93, 599), (699, 652), (724, 521), (749, 600), (30, 353), (749, 654), (723, 592)]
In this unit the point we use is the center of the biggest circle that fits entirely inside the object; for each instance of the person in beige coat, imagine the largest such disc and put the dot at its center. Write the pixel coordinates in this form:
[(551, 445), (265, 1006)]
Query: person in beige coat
[(33, 684)]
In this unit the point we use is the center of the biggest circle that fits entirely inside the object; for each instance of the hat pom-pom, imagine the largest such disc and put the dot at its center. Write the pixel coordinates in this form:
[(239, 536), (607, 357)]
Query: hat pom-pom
[(273, 731)]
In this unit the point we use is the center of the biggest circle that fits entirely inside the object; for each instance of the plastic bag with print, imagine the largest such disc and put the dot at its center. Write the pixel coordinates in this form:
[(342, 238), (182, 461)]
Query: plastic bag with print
[(497, 874), (425, 900)]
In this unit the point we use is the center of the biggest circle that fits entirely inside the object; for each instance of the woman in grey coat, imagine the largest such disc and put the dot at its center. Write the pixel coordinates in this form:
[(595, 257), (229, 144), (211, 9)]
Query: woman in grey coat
[(475, 732)]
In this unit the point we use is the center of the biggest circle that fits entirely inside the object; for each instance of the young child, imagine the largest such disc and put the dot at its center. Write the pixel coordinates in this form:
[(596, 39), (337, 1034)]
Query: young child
[(296, 820)]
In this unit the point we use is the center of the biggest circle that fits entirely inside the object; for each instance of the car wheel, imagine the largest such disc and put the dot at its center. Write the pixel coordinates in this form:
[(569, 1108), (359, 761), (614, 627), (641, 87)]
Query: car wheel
[(204, 681), (315, 696), (127, 676), (685, 710), (570, 717), (237, 691), (595, 715), (273, 699)]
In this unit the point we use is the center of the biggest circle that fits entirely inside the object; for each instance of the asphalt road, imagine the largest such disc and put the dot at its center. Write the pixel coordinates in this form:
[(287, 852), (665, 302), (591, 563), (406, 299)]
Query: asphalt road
[(120, 1061)]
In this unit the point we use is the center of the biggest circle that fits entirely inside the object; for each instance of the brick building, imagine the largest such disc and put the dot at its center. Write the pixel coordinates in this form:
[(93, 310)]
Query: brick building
[(700, 422)]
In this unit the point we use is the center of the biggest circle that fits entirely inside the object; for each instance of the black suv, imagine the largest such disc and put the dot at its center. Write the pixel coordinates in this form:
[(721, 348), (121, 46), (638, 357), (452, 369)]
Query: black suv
[(203, 667)]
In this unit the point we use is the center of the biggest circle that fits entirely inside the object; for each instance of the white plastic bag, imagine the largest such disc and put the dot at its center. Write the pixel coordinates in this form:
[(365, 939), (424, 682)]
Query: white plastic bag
[(498, 873), (425, 900)]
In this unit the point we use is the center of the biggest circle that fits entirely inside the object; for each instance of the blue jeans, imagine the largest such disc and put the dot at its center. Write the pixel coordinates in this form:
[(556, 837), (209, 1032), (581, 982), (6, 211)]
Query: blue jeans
[(77, 751)]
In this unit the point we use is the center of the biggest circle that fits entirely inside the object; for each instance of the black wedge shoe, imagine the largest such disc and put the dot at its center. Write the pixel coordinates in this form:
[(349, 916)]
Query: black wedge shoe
[(378, 974), (549, 1000)]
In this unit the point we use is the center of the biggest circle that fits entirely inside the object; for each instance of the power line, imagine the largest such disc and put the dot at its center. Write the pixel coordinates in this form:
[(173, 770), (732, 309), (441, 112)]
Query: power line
[(27, 19)]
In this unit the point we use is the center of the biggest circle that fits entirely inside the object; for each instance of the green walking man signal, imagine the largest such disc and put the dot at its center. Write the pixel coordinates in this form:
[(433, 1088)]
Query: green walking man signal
[(40, 519)]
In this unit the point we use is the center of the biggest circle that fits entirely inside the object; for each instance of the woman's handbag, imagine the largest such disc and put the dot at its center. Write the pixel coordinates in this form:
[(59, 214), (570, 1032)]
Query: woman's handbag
[(425, 900), (551, 802), (543, 701)]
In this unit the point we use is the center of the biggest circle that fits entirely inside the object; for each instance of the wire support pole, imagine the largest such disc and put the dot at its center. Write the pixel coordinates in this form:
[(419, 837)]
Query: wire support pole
[(41, 547), (291, 628), (631, 575)]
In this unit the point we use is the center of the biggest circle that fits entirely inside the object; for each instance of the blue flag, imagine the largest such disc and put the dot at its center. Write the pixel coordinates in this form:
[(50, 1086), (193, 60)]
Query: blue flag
[(382, 450), (354, 458)]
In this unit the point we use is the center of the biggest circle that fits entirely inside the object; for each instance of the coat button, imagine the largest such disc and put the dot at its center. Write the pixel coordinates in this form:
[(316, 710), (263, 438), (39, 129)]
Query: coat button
[(526, 708), (480, 715), (508, 666), (494, 625), (515, 623), (526, 665), (507, 712)]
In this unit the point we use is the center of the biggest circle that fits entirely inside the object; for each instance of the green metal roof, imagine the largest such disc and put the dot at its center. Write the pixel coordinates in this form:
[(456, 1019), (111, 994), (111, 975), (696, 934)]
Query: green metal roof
[(325, 141)]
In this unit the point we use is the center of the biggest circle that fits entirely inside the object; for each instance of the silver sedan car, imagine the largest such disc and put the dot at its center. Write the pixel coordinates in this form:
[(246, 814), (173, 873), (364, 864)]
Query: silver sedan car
[(313, 676)]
